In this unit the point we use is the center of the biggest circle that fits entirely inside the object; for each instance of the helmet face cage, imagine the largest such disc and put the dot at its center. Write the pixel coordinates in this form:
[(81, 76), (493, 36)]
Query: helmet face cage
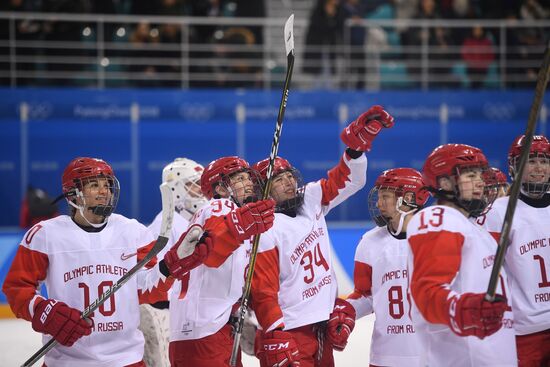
[(89, 188), (401, 196), (536, 174), (280, 190), (464, 189), (244, 186), (85, 174), (183, 177)]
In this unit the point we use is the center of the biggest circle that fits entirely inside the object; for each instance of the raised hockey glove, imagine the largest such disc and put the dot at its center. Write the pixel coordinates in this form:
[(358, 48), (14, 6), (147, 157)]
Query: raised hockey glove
[(251, 219), (360, 133), (340, 324), (189, 252), (60, 321), (278, 348), (471, 315)]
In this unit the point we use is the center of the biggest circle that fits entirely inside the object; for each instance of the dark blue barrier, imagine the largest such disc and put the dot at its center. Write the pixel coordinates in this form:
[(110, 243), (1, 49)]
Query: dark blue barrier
[(43, 129)]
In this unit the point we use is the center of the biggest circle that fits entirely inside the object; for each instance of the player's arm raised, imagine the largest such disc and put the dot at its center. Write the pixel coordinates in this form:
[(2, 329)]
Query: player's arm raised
[(350, 175)]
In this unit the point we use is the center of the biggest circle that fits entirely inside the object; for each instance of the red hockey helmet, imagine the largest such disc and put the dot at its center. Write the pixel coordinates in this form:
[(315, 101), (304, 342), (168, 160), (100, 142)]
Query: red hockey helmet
[(449, 161), (288, 205), (540, 148), (539, 145), (82, 169), (444, 160), (500, 177), (216, 170), (408, 187), (404, 180), (279, 166)]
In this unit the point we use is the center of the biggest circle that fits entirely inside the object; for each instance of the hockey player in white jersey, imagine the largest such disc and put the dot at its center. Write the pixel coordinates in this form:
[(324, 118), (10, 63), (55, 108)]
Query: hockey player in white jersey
[(78, 257), (200, 310), (380, 274), (183, 177), (527, 258), (294, 287), (450, 264)]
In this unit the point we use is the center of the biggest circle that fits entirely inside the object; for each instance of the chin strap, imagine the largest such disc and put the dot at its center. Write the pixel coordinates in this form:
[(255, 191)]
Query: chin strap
[(97, 210), (402, 215)]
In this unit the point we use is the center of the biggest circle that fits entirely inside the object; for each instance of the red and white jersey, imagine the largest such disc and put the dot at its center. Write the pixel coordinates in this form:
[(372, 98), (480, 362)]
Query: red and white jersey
[(451, 255), (201, 304), (294, 282), (76, 267), (381, 280), (527, 263)]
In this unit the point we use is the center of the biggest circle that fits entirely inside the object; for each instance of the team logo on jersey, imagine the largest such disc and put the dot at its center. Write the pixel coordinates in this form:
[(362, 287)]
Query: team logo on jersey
[(126, 257)]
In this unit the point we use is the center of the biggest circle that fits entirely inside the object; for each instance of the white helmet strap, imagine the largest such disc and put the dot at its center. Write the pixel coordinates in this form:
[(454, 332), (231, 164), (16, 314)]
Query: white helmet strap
[(81, 208), (402, 215)]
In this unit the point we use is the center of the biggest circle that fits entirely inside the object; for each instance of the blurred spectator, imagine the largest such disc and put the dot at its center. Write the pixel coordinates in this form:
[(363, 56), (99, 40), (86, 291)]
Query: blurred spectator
[(142, 39), (254, 9), (36, 206), (355, 10), (323, 36), (533, 10), (478, 53), (173, 7), (60, 32), (170, 39), (442, 59), (25, 30), (235, 64), (415, 37)]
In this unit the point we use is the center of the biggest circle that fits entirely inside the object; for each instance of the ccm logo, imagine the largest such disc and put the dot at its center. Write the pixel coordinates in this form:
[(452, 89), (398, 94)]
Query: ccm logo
[(276, 346), (46, 311)]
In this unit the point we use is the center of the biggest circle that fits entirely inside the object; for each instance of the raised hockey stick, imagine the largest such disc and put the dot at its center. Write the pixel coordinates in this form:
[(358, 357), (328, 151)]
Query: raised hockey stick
[(289, 46), (542, 81), (162, 240)]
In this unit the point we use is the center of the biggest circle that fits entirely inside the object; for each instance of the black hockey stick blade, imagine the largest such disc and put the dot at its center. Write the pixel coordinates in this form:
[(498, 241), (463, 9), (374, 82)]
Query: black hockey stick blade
[(542, 81), (160, 243), (289, 47)]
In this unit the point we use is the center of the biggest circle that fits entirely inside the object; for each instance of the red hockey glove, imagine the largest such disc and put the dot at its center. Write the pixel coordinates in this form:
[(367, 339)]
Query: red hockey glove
[(279, 349), (360, 133), (251, 219), (189, 252), (340, 324), (60, 321), (470, 314)]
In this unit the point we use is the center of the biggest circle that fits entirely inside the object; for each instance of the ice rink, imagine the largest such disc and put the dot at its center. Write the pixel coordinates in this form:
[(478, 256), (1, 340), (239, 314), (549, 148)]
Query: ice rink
[(18, 342)]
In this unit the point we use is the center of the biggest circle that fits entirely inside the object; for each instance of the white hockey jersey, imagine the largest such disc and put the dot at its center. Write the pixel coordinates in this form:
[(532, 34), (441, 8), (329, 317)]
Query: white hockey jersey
[(77, 266), (381, 281), (201, 304), (449, 255), (527, 263), (294, 282), (179, 226)]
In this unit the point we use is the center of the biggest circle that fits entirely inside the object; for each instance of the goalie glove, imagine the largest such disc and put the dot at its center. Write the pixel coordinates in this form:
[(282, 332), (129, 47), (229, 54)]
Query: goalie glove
[(472, 315), (340, 324), (359, 134), (62, 322), (189, 252)]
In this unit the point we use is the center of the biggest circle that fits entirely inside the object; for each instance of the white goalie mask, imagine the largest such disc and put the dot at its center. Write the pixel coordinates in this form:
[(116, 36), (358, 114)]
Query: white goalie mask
[(183, 177)]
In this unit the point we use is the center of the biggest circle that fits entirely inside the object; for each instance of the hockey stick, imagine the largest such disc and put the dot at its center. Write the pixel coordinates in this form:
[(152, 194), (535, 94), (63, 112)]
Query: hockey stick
[(162, 240), (542, 81), (289, 46)]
